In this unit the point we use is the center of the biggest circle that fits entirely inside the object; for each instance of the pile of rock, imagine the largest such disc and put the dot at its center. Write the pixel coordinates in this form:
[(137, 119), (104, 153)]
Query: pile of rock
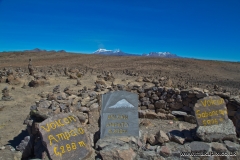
[(159, 146), (38, 81), (11, 76), (73, 73), (78, 82), (100, 86), (5, 95), (30, 68), (130, 73), (109, 76), (154, 103), (65, 102)]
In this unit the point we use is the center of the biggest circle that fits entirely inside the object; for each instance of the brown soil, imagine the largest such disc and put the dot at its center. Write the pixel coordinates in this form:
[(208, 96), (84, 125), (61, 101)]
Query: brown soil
[(189, 72)]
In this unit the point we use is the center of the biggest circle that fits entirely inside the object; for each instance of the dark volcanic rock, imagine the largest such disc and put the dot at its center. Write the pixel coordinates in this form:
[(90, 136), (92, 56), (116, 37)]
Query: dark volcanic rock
[(199, 147), (223, 131), (65, 132), (37, 83)]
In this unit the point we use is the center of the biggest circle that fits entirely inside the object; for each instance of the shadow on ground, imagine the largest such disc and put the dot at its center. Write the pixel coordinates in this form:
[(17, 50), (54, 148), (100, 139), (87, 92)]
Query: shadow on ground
[(17, 140)]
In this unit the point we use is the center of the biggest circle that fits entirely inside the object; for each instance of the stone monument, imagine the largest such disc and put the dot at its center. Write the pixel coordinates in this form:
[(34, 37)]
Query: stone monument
[(65, 138), (119, 114), (210, 110), (212, 119)]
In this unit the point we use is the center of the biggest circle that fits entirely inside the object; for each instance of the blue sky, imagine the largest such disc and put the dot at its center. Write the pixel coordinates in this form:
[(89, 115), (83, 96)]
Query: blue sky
[(205, 29)]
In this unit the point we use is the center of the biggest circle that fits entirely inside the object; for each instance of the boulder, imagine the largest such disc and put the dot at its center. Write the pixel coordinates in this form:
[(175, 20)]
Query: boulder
[(170, 116), (40, 113), (161, 115), (232, 147), (37, 83), (151, 107), (145, 79), (64, 131), (201, 95), (165, 151), (176, 136), (118, 153), (151, 155), (162, 137), (146, 123), (218, 147), (101, 82), (151, 115), (199, 146), (83, 117), (176, 105), (73, 76), (56, 89), (93, 118), (5, 95), (43, 103), (13, 80), (223, 131), (141, 113), (91, 102), (120, 148), (141, 95), (151, 139), (139, 79), (179, 113), (160, 104), (223, 95), (190, 119), (176, 149), (94, 107)]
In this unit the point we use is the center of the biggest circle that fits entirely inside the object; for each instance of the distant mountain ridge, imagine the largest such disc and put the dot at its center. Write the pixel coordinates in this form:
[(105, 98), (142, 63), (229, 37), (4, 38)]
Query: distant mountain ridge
[(118, 52), (161, 54), (39, 50)]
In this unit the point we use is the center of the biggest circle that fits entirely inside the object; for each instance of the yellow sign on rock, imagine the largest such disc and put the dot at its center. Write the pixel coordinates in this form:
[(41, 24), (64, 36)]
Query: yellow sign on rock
[(64, 137), (210, 110)]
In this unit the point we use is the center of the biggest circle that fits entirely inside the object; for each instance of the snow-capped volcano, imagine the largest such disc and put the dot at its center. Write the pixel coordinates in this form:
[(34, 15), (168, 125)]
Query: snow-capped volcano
[(116, 52), (102, 51), (160, 54)]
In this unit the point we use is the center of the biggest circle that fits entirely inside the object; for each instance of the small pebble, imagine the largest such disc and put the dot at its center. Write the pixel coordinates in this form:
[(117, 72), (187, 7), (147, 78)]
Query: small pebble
[(171, 122)]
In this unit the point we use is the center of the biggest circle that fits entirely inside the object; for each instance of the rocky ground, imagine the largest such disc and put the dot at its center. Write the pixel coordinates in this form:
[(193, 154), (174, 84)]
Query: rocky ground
[(182, 72), (76, 73)]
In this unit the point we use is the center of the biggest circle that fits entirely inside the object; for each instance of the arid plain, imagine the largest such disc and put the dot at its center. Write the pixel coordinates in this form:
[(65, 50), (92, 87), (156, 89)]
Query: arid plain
[(176, 73)]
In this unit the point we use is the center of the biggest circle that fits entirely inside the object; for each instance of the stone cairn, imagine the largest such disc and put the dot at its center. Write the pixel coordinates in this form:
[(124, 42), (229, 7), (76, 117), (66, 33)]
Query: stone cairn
[(78, 82), (30, 67), (66, 71), (5, 95)]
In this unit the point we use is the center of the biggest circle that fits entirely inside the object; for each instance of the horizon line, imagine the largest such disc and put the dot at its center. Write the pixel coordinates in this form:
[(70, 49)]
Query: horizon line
[(140, 54)]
